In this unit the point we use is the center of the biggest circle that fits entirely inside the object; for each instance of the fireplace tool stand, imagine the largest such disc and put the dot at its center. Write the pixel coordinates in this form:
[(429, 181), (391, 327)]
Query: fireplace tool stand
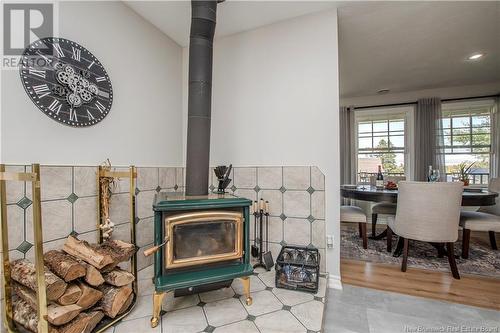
[(261, 214)]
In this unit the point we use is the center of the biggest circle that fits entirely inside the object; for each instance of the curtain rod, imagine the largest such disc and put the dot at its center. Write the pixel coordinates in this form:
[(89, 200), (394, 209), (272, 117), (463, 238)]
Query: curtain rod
[(413, 103)]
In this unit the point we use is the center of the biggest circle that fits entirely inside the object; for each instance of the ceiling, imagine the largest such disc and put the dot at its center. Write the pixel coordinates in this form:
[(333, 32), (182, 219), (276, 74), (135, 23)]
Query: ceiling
[(406, 46), (174, 17)]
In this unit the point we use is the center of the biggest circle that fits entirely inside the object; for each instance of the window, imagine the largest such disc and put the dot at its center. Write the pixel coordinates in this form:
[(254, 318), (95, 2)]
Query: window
[(467, 138), (382, 140)]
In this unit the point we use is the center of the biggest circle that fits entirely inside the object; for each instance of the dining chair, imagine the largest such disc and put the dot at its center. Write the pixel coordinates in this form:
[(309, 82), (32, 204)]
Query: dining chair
[(427, 212), (487, 218), (385, 208), (354, 214)]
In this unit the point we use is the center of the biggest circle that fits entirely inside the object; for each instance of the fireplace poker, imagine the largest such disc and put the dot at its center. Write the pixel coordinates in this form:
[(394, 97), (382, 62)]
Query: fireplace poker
[(268, 256), (260, 215), (255, 250)]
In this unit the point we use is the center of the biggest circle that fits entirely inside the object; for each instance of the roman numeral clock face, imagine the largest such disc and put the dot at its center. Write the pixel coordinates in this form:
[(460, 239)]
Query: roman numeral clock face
[(66, 82)]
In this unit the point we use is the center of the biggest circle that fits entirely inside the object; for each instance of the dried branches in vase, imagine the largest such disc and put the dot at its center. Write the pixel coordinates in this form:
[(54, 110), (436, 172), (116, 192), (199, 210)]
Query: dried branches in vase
[(106, 186)]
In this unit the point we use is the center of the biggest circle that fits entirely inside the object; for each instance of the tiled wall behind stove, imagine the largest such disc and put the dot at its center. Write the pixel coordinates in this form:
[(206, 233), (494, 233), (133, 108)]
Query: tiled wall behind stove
[(297, 203), (69, 205)]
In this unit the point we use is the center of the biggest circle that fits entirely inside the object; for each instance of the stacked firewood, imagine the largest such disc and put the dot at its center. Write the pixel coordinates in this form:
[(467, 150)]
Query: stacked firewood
[(83, 283)]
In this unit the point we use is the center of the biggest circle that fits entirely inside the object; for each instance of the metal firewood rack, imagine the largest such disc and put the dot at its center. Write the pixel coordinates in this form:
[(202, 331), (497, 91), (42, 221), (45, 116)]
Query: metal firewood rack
[(6, 285)]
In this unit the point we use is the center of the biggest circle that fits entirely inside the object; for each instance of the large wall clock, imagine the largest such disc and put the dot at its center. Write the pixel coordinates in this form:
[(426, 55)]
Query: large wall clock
[(66, 82)]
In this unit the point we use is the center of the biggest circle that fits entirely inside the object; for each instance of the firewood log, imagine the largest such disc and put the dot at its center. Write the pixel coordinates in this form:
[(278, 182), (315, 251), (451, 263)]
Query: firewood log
[(127, 304), (71, 295), (77, 325), (26, 316), (92, 275), (120, 251), (56, 314), (92, 319), (90, 296), (63, 265), (113, 299), (118, 277), (23, 271), (86, 252)]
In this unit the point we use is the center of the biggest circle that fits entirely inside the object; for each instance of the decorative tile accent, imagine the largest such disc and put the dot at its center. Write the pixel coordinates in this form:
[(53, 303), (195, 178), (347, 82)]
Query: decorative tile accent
[(282, 189), (251, 318), (201, 304), (244, 177), (270, 177), (256, 188), (85, 181), (297, 231), (24, 203), (297, 178), (24, 247), (286, 307), (137, 191), (283, 243), (297, 203), (158, 188), (73, 233), (310, 190), (233, 188), (275, 199), (209, 329), (283, 217), (310, 218), (72, 198), (211, 188)]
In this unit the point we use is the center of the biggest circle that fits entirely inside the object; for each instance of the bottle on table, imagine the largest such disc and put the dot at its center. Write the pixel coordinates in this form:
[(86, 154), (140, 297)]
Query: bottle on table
[(379, 182)]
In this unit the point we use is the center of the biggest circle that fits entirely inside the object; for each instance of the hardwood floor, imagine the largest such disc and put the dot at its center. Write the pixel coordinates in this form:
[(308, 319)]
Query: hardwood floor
[(469, 290)]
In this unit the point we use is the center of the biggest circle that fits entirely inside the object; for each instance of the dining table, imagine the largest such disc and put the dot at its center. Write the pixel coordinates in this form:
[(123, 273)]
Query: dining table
[(471, 197)]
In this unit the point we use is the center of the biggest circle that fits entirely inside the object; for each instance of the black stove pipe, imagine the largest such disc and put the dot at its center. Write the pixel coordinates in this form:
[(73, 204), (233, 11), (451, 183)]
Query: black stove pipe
[(203, 19)]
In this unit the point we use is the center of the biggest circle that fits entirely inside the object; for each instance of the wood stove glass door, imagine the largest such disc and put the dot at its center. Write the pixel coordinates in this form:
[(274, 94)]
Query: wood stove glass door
[(203, 237)]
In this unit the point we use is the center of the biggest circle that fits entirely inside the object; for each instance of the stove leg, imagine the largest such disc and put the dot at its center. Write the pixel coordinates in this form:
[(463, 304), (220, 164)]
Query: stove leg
[(157, 300), (246, 289)]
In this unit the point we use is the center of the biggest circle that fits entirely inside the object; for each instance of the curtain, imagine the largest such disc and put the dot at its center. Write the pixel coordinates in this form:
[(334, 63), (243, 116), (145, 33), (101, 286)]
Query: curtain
[(347, 146), (495, 139), (428, 138)]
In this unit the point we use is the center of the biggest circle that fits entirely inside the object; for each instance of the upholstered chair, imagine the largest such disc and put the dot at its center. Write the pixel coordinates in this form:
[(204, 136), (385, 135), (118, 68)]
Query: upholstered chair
[(385, 208), (427, 212), (353, 214), (487, 218)]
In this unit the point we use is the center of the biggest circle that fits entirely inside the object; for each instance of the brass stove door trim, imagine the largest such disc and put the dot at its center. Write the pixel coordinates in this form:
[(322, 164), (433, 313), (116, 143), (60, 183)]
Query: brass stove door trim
[(172, 221)]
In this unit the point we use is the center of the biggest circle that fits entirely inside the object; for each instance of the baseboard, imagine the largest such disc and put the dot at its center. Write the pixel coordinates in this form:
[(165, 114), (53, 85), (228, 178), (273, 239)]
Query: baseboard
[(334, 282)]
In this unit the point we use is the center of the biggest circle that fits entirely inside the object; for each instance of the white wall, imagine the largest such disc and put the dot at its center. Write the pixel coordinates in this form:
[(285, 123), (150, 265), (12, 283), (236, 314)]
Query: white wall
[(275, 102), (144, 125), (411, 96)]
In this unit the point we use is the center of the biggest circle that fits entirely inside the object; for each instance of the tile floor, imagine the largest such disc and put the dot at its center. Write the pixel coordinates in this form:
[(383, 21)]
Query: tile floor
[(224, 311), (360, 310)]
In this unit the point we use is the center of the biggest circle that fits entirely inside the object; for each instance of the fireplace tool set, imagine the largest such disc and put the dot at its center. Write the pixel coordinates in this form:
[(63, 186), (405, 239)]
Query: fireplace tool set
[(222, 173), (261, 215)]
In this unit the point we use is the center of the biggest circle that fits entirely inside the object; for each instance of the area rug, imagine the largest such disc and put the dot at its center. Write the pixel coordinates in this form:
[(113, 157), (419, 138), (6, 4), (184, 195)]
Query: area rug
[(482, 260)]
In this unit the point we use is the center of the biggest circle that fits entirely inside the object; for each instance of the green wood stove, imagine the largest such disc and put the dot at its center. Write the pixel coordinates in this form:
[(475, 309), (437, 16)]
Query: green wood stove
[(200, 242)]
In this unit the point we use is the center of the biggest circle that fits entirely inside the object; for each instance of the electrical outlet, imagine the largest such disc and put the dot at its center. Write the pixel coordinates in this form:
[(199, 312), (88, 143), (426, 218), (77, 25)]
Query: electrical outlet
[(329, 241)]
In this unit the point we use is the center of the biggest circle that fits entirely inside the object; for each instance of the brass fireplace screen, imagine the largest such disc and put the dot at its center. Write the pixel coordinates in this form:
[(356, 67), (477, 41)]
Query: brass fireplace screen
[(203, 237)]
